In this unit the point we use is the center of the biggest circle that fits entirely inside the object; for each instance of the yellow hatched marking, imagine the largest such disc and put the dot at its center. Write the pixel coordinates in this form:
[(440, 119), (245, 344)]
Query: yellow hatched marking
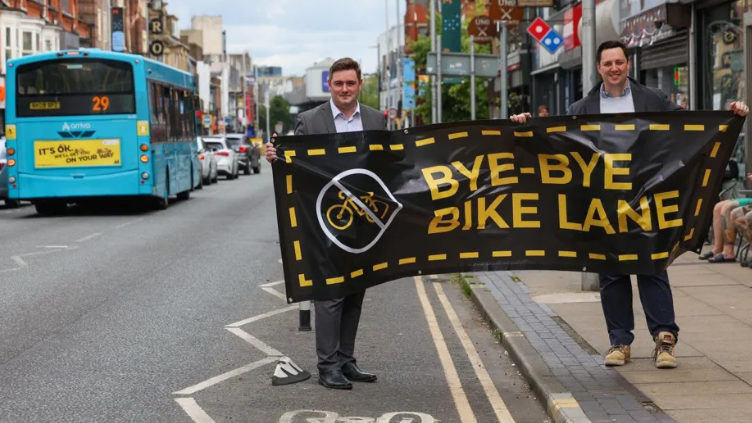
[(706, 178), (498, 254), (658, 127), (334, 281), (376, 147), (298, 255), (289, 155), (694, 127), (304, 282), (591, 127), (344, 150), (396, 147), (571, 254), (716, 147), (625, 127), (289, 184), (356, 273), (659, 256), (293, 219), (523, 134), (535, 253), (427, 141), (594, 256), (437, 257), (627, 257), (491, 132), (380, 266), (556, 129), (408, 260), (722, 128), (527, 170), (690, 234), (317, 152), (456, 135), (469, 255), (697, 209)]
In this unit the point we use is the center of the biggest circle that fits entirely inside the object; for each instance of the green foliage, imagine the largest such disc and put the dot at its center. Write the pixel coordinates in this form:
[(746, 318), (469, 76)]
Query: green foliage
[(369, 93), (279, 111), (455, 97)]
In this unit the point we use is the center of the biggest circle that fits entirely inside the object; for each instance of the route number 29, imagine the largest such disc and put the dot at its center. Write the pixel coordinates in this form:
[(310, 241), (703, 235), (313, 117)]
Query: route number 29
[(101, 104)]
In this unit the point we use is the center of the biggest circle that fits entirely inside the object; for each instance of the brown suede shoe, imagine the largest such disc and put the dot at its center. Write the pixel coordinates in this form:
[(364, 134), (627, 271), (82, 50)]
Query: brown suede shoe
[(618, 355), (663, 354)]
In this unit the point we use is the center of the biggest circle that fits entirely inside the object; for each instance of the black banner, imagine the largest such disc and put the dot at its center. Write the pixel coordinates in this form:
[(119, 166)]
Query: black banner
[(622, 193)]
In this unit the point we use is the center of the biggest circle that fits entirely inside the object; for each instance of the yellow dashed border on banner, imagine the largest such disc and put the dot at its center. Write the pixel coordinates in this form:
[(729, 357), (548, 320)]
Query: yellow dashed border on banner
[(376, 147), (471, 255), (556, 129), (427, 141), (690, 234), (490, 132), (659, 127), (594, 256), (407, 260), (706, 178), (304, 283), (569, 254), (317, 152), (722, 128), (627, 257), (334, 281), (356, 273), (289, 184), (396, 147), (716, 147), (380, 266), (345, 150), (535, 253), (458, 135), (437, 257), (631, 127), (659, 256), (289, 155), (293, 218), (694, 127), (298, 255), (590, 128), (528, 134), (699, 205), (498, 254)]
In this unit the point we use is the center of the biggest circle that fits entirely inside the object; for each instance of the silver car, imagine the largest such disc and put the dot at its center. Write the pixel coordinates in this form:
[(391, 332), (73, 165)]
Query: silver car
[(4, 177), (207, 163)]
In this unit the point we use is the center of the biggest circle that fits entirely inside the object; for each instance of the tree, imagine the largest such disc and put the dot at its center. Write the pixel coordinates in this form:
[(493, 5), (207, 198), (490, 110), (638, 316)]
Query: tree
[(369, 93), (279, 111), (455, 97)]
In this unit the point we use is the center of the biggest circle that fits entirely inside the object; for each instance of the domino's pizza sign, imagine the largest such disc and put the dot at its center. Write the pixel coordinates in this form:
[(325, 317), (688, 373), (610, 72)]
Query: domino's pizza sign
[(545, 35), (324, 81)]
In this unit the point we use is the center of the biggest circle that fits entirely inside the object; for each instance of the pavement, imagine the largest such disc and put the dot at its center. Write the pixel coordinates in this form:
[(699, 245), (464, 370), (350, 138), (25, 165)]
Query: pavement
[(110, 315), (557, 334)]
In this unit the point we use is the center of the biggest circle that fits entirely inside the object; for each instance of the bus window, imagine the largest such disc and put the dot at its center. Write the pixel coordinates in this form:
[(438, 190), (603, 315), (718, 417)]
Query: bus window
[(76, 87)]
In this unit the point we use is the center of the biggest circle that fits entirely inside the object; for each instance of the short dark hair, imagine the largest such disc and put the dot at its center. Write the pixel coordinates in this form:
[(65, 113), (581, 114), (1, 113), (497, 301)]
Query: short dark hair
[(608, 45), (342, 64)]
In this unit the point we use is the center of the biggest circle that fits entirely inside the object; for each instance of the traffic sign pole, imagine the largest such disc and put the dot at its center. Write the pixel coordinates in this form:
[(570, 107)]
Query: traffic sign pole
[(472, 77), (503, 70), (438, 80)]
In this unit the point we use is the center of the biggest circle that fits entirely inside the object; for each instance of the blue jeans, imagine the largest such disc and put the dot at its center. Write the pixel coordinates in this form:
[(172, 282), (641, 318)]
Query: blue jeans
[(656, 299)]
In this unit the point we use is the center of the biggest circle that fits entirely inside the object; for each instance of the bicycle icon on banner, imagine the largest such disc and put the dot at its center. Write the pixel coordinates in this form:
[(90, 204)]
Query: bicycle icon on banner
[(341, 216)]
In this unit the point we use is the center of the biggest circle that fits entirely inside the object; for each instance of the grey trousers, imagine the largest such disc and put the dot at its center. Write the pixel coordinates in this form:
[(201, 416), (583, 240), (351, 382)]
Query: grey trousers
[(336, 328)]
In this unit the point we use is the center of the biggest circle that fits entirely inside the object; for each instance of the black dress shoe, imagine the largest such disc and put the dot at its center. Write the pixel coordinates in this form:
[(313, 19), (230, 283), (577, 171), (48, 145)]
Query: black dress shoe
[(353, 373), (334, 380)]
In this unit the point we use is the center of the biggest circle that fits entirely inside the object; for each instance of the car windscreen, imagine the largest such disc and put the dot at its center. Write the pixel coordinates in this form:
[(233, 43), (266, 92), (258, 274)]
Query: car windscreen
[(214, 145), (75, 87)]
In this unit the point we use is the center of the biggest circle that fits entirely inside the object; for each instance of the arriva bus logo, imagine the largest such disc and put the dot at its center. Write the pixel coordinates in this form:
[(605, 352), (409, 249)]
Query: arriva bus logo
[(76, 130)]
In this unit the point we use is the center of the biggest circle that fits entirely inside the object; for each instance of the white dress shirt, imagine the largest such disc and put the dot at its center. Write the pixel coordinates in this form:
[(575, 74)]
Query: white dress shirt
[(344, 124)]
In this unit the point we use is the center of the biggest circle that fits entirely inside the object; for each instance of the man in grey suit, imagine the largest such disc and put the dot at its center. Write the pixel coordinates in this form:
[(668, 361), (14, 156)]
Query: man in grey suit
[(617, 93), (337, 320)]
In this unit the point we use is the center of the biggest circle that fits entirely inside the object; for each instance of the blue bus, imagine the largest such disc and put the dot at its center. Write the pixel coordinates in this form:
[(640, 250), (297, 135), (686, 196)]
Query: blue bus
[(86, 124)]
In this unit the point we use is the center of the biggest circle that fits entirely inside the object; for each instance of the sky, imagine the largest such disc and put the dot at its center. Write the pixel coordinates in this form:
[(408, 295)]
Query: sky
[(294, 34)]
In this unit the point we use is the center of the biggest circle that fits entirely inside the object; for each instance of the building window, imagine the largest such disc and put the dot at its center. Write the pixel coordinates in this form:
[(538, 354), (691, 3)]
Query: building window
[(8, 45), (36, 38), (28, 48), (64, 6), (48, 45)]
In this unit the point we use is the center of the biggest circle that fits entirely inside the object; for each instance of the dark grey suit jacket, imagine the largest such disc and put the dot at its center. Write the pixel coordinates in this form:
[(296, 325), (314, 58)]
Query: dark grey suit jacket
[(646, 99), (319, 120)]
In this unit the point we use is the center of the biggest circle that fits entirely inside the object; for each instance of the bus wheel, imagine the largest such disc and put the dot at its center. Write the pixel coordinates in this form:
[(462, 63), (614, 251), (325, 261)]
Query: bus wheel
[(51, 207), (12, 204), (182, 196), (164, 202)]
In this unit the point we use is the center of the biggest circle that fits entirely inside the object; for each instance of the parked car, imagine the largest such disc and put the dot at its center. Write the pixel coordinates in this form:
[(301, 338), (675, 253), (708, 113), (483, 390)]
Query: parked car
[(227, 159), (207, 163), (4, 177), (249, 154)]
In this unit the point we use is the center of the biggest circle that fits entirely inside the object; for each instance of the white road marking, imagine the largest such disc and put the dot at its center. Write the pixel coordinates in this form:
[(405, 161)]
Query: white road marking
[(229, 375), (266, 285), (196, 413), (498, 405), (453, 379), (261, 316), (92, 236), (260, 345), (19, 261), (58, 247), (280, 261), (122, 225), (276, 293)]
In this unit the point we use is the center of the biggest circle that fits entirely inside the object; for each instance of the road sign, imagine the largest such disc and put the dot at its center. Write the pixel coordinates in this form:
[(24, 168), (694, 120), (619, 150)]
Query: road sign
[(546, 36), (458, 64), (535, 3), (207, 120), (506, 10), (483, 29)]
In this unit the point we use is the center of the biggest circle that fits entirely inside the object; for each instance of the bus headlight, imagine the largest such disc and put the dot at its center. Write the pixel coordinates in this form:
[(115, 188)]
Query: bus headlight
[(145, 176), (144, 159)]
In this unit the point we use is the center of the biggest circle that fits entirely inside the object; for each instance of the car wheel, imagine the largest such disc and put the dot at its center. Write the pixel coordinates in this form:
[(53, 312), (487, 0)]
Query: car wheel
[(257, 169), (247, 170)]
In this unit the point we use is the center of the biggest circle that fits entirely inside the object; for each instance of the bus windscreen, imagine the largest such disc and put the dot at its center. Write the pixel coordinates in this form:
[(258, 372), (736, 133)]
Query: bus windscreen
[(75, 87)]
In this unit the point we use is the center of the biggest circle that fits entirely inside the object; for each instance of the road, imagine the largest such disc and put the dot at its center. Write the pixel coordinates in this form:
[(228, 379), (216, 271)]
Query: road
[(176, 316)]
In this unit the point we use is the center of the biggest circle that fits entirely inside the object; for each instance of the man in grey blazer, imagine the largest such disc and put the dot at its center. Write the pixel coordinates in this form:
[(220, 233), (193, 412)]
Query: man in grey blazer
[(617, 93), (337, 320)]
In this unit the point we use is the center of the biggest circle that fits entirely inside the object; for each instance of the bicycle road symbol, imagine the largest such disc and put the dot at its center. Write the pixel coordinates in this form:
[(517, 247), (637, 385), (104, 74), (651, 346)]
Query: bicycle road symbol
[(341, 215)]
